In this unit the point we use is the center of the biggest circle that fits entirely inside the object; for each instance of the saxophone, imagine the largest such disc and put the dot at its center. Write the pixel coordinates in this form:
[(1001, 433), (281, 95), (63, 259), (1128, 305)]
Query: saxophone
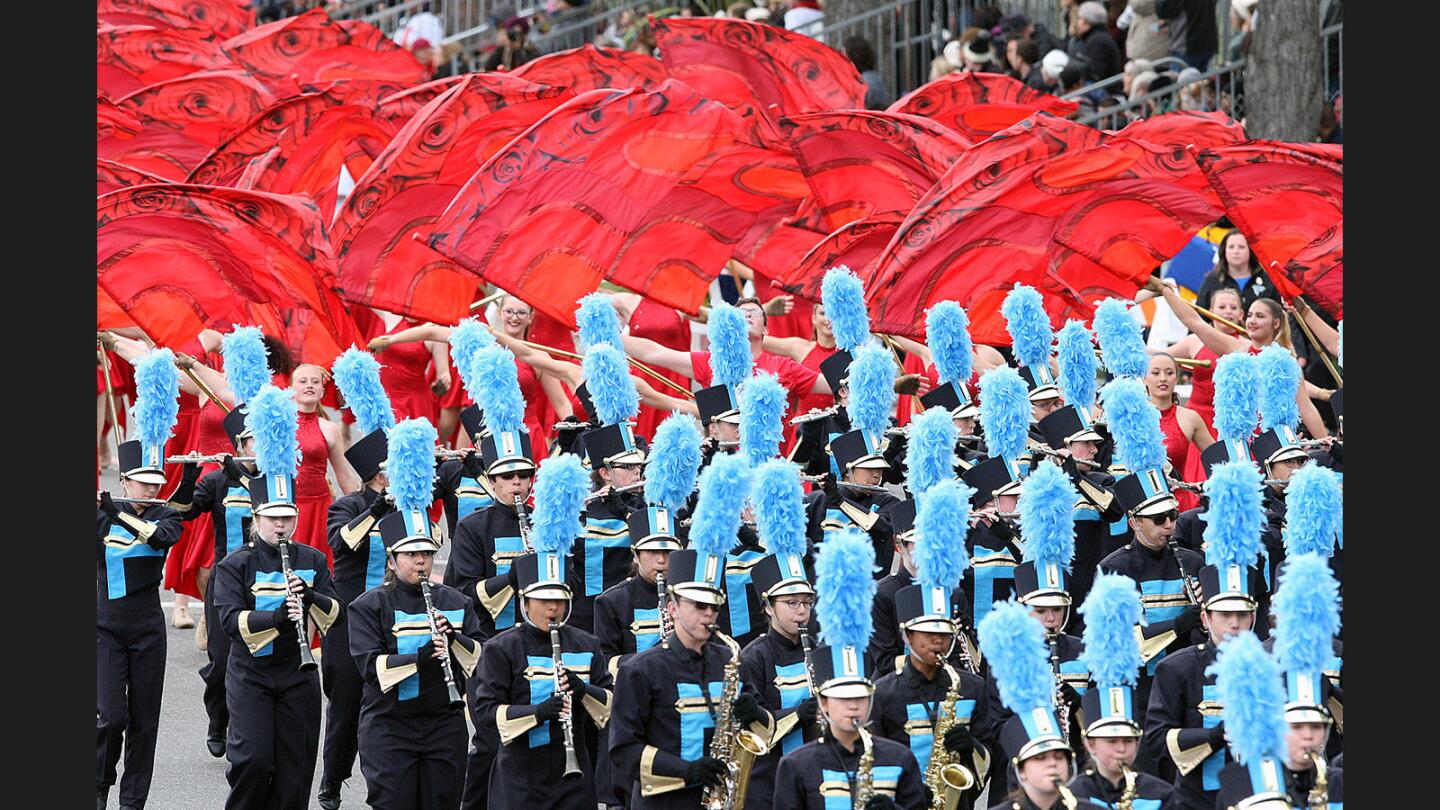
[(736, 747), (1319, 795), (864, 779), (1067, 798), (946, 777), (1127, 795)]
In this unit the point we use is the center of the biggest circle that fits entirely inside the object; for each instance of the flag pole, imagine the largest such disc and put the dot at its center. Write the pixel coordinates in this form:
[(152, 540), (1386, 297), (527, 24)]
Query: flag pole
[(110, 401), (1310, 336), (551, 350)]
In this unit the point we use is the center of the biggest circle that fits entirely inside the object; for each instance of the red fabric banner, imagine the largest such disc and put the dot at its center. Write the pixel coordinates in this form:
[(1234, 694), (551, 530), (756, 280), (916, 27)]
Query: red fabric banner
[(400, 106), (113, 122), (108, 314), (592, 68), (1288, 199), (773, 245), (208, 19), (857, 245), (227, 161), (598, 188), (311, 48), (978, 105), (131, 57), (1203, 130), (111, 175), (180, 258), (411, 183), (861, 163)]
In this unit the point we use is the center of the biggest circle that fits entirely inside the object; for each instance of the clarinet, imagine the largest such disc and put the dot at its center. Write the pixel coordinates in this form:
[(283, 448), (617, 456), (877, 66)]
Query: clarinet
[(662, 600), (307, 658), (567, 718), (1062, 709), (454, 700), (1192, 592), (807, 649), (524, 520)]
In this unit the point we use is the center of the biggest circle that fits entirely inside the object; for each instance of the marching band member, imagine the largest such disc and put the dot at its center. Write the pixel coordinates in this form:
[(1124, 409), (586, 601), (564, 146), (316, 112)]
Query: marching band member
[(732, 363), (1307, 614), (1031, 337), (1315, 526), (848, 324), (1237, 405), (1276, 448), (947, 331), (461, 482)]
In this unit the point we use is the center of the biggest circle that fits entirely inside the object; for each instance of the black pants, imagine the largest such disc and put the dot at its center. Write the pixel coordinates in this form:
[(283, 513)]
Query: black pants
[(413, 763), (483, 747), (217, 646), (343, 692), (273, 739), (129, 682)]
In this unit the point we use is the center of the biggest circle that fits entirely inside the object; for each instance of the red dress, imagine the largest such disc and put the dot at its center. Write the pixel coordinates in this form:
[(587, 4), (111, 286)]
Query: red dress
[(1183, 456), (1202, 388), (539, 416), (209, 437), (666, 326), (312, 491), (183, 441), (402, 373)]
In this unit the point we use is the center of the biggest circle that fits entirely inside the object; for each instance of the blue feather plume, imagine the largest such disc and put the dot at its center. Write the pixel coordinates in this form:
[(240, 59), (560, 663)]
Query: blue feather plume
[(246, 369), (598, 321), (1135, 424), (730, 359), (930, 455), (762, 414), (1111, 611), (1076, 356), (410, 464), (466, 339), (497, 389), (1235, 516), (872, 388), (724, 486), (845, 589), (1314, 511), (779, 502), (1004, 412), (1121, 345), (1252, 694), (561, 485), (843, 296), (941, 519), (1279, 380), (1237, 396), (608, 381), (1028, 325), (1307, 614), (1047, 517), (157, 397), (358, 376), (947, 332), (674, 462), (275, 422), (1013, 641)]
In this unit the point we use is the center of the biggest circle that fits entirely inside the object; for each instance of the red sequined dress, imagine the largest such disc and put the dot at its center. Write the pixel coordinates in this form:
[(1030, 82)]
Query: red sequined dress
[(666, 326), (312, 491)]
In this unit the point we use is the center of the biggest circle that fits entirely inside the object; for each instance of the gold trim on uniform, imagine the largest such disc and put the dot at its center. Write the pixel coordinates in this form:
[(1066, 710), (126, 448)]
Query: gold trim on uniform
[(861, 518), (999, 558), (232, 501), (841, 789), (640, 627), (1151, 601), (1095, 496), (466, 657), (255, 639), (142, 528), (1186, 759), (651, 783), (494, 603), (511, 730), (784, 726), (324, 618), (354, 533), (1151, 647), (390, 676), (1337, 713), (738, 566), (599, 710)]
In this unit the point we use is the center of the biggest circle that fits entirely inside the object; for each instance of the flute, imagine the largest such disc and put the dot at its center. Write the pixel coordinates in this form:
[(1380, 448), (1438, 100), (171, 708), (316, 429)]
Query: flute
[(454, 701), (815, 479), (1040, 448), (140, 501), (446, 454), (213, 458), (307, 658), (1185, 486), (606, 490), (815, 415)]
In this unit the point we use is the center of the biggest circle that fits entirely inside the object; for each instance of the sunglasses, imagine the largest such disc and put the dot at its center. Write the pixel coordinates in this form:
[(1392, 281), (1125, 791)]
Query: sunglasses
[(511, 476), (1164, 517)]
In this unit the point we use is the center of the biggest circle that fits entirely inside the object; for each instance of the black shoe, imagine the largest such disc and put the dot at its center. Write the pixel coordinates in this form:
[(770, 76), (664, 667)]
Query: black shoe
[(216, 747), (330, 795)]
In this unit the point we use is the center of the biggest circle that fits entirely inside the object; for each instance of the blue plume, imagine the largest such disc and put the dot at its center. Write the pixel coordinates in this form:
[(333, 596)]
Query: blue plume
[(930, 457), (872, 388), (674, 462), (598, 321), (779, 502), (561, 485), (1314, 511), (941, 520), (410, 464), (466, 339), (730, 359), (1307, 614), (1004, 412), (1279, 380), (724, 486), (947, 330), (1047, 517), (609, 384), (1014, 643), (497, 389), (1135, 424), (845, 589), (1235, 516), (1120, 343), (157, 397), (1111, 611), (762, 413), (1249, 686), (272, 417), (1237, 396), (1028, 325), (246, 369), (358, 376), (844, 298), (1076, 355)]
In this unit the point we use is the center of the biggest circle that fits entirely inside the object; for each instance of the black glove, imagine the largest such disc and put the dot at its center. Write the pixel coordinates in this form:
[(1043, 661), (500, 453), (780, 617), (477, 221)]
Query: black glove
[(576, 684), (807, 712), (615, 502), (425, 651), (959, 739), (281, 614), (1069, 695), (512, 577), (233, 468), (880, 801), (1071, 468), (381, 507), (1188, 620), (107, 505), (707, 771), (190, 473), (1217, 736), (471, 464), (896, 448), (550, 709), (565, 439), (747, 709), (832, 490)]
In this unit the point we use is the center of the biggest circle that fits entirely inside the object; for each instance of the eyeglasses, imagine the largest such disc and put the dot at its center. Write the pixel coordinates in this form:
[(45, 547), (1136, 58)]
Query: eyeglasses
[(1164, 517), (629, 467), (511, 476), (515, 313), (796, 604)]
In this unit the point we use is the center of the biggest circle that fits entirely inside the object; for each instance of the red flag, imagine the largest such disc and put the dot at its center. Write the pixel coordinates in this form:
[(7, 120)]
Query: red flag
[(598, 188), (1203, 130), (307, 157), (857, 245), (592, 68), (108, 314), (1288, 198), (111, 175), (861, 163), (978, 105), (209, 19), (113, 122), (227, 161), (411, 183), (369, 93), (774, 244), (180, 258), (130, 57), (311, 48), (401, 105)]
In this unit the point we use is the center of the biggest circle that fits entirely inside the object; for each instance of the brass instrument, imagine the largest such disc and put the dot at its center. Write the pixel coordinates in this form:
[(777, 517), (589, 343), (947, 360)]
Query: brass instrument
[(1127, 794), (815, 415), (213, 458), (1067, 798), (524, 524), (1062, 709), (807, 648), (967, 656), (567, 715), (1319, 796), (864, 786), (736, 747), (452, 694), (946, 777), (662, 601), (605, 491), (307, 658)]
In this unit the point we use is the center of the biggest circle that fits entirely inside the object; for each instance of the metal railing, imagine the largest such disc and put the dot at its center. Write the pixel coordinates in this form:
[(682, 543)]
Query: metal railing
[(1119, 79)]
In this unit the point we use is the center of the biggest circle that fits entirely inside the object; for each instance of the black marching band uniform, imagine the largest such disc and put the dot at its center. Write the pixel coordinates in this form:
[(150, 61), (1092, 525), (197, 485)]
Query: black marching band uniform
[(603, 555)]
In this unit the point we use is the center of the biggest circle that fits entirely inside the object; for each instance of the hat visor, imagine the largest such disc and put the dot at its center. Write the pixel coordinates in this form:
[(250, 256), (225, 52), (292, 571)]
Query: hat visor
[(1307, 714), (657, 542), (546, 590), (506, 465), (1043, 392), (1114, 727), (732, 417), (628, 457), (1010, 488), (699, 592), (1157, 505), (790, 587), (415, 543), (1230, 603), (847, 688), (967, 411), (279, 509), (1049, 599), (1040, 745), (869, 463), (1286, 453), (145, 475), (1086, 435), (930, 624)]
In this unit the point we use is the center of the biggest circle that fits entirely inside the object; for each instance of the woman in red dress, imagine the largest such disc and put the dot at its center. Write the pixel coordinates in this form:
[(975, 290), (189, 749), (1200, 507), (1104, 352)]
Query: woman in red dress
[(1224, 302), (321, 442), (1186, 436), (664, 325), (404, 376)]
